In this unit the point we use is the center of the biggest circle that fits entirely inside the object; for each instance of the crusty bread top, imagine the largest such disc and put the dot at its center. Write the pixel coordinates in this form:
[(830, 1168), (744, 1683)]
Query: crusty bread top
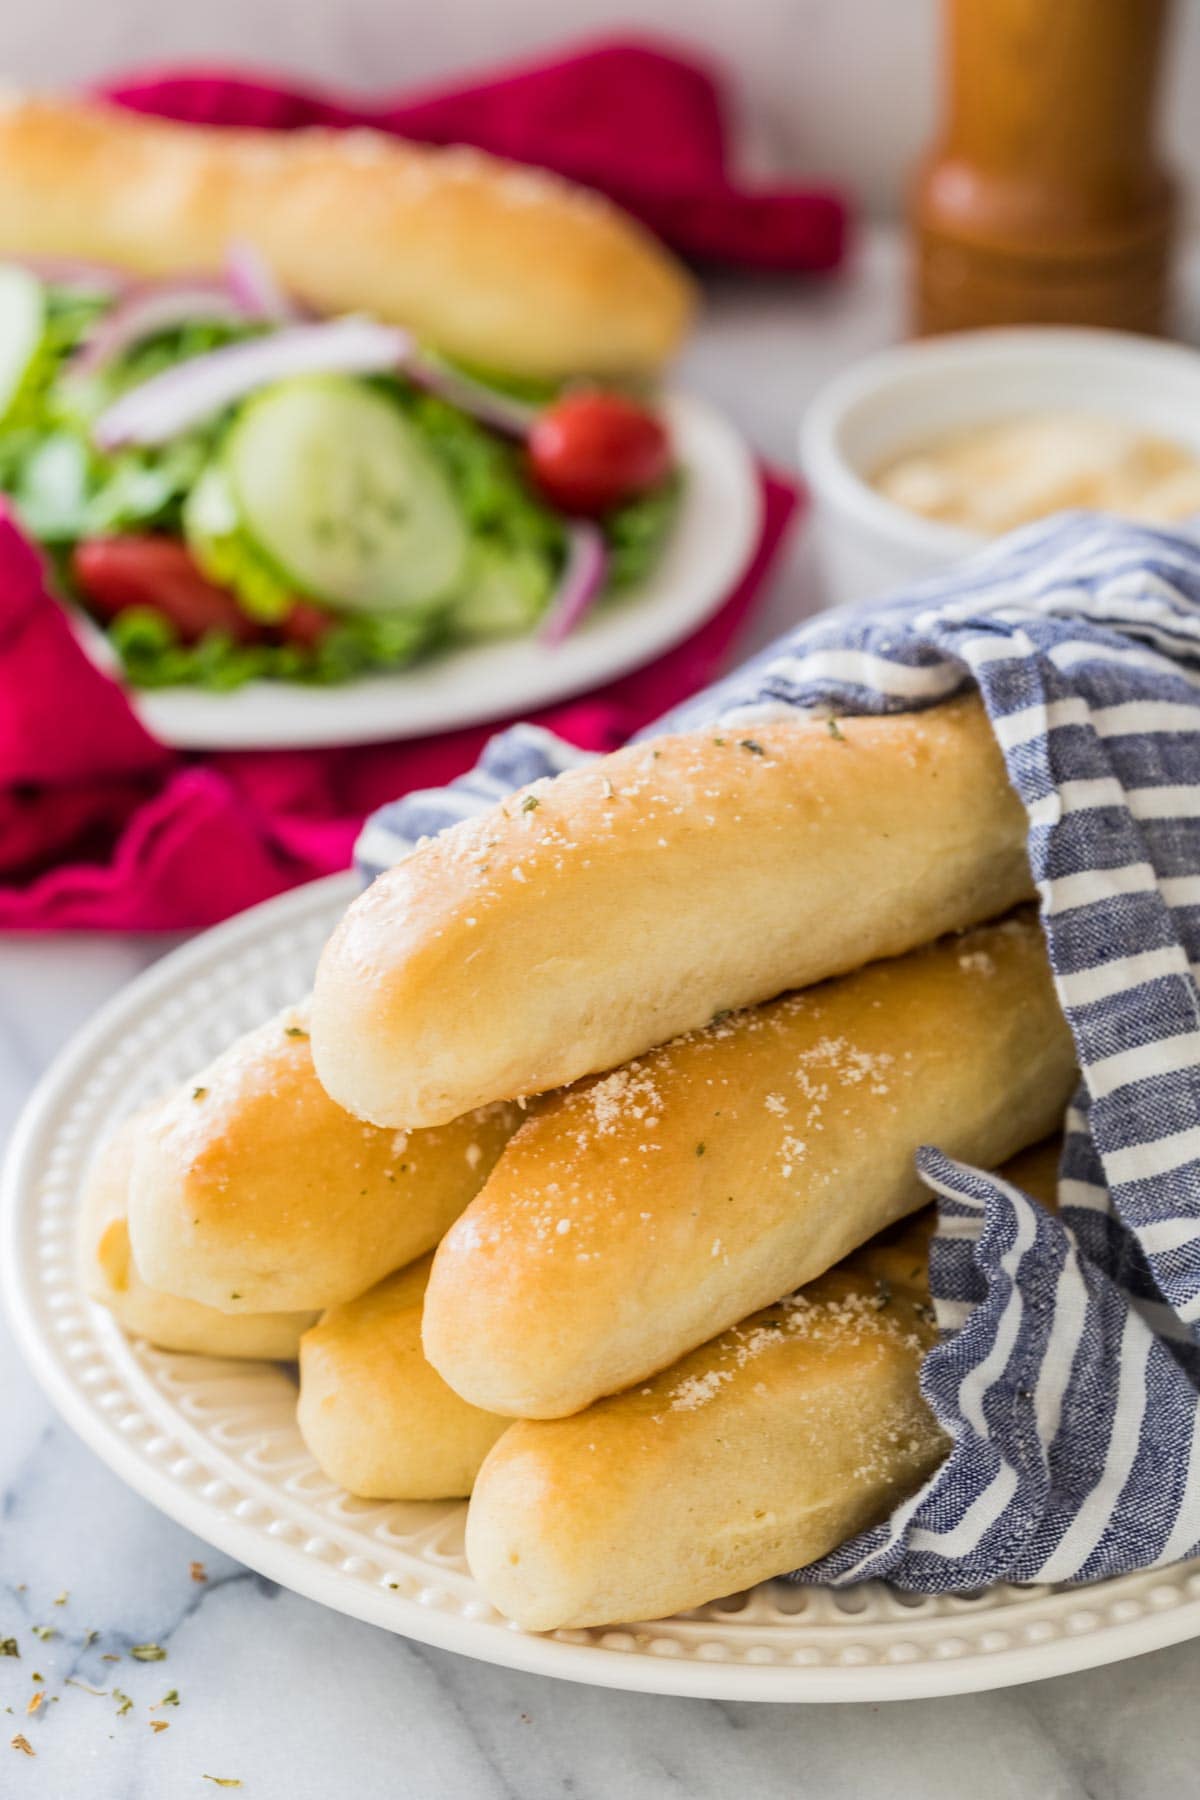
[(756, 1452), (590, 917), (109, 1274), (500, 265), (252, 1191), (635, 1214)]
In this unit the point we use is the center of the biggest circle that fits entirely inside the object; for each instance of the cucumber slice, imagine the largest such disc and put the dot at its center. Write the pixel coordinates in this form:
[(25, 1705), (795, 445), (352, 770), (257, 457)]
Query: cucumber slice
[(505, 592), (22, 321), (342, 493)]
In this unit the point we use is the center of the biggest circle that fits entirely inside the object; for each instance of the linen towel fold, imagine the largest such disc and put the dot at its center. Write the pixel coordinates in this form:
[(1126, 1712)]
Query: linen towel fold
[(1068, 1370)]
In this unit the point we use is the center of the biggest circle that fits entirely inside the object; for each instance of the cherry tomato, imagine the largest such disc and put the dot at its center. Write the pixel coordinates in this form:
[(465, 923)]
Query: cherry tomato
[(306, 624), (591, 450), (158, 572)]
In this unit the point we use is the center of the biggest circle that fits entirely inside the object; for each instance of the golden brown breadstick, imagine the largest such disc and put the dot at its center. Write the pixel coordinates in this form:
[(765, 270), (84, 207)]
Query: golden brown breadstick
[(377, 1418), (639, 1213), (504, 266), (252, 1192), (604, 912), (756, 1454), (109, 1274)]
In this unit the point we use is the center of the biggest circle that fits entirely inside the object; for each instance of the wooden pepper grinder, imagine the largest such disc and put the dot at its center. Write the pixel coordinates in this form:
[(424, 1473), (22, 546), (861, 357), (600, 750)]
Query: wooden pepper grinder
[(1043, 200)]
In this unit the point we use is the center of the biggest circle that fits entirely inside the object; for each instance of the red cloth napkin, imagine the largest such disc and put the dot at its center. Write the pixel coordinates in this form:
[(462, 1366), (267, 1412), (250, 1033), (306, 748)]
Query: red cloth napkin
[(639, 122), (102, 828)]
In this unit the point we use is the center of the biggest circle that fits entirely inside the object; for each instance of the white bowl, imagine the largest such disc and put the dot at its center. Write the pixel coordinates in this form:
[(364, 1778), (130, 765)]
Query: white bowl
[(904, 397)]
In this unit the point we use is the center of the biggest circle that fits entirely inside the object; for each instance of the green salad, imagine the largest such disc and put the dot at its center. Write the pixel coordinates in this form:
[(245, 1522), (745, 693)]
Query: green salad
[(233, 495)]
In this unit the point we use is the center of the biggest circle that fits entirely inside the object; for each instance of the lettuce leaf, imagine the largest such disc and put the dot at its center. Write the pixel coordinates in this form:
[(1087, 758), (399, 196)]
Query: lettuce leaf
[(62, 487), (228, 554), (152, 655), (636, 533)]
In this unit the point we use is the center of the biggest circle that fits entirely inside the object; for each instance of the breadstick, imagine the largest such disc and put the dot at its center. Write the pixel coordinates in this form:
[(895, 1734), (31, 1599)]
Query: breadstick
[(378, 1419), (604, 912), (252, 1192), (756, 1454), (636, 1215), (503, 266), (109, 1274)]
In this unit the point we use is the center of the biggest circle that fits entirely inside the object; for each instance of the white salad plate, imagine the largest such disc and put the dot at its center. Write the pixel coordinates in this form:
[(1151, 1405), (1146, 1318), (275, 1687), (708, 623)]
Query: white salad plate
[(215, 1444), (713, 539)]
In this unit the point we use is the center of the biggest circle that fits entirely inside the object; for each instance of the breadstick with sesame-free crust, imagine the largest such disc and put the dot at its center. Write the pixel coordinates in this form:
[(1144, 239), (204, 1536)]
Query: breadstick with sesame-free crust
[(756, 1454), (753, 1455), (639, 1213), (604, 912), (251, 1191), (109, 1275), (506, 267), (377, 1418)]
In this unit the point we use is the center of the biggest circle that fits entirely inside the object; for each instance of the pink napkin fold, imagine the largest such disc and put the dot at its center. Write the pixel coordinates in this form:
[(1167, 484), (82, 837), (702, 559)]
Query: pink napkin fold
[(642, 123), (103, 828)]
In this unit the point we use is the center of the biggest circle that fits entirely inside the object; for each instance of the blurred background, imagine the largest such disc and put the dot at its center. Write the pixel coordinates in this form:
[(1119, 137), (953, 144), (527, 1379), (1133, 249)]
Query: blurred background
[(840, 87)]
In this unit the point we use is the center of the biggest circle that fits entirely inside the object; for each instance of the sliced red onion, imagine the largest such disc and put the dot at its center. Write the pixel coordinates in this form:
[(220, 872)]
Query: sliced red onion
[(503, 414), (150, 308), (582, 579), (73, 272), (171, 403), (255, 288)]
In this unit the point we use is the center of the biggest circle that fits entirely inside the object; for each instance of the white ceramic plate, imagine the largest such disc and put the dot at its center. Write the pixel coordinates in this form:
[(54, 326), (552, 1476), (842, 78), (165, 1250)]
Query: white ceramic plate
[(715, 534), (215, 1444)]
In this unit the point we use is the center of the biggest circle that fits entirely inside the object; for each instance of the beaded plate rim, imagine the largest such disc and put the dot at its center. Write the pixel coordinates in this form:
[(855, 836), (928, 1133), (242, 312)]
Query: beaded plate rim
[(214, 1444)]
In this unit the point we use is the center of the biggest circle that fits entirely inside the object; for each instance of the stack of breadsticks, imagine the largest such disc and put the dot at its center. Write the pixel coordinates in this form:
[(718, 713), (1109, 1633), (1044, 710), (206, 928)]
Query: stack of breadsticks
[(644, 1057)]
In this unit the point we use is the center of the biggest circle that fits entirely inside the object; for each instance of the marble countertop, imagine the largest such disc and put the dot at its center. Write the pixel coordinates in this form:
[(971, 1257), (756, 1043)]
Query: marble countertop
[(297, 1703)]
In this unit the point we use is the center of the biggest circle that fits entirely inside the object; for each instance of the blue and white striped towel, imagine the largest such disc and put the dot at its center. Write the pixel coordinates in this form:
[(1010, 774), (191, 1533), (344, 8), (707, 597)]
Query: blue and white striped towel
[(1068, 1373)]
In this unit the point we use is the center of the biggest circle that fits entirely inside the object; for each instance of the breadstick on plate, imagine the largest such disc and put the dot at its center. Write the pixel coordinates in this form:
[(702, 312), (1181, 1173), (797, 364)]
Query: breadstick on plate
[(604, 912), (253, 1192), (641, 1212), (754, 1455), (503, 266), (109, 1274), (379, 1420)]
